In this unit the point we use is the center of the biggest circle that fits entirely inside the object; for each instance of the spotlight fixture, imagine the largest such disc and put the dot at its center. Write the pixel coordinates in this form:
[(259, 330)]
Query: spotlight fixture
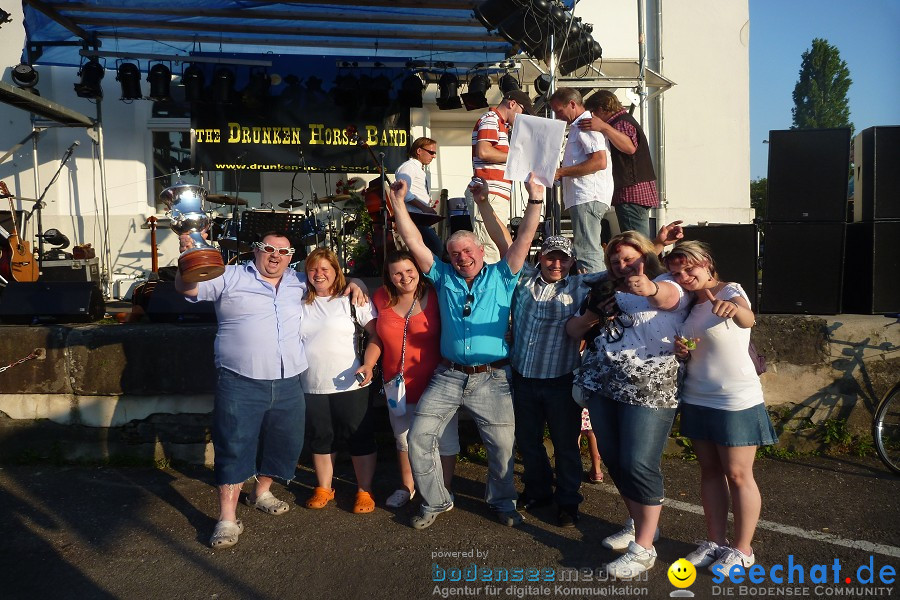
[(475, 97), (24, 76), (542, 83), (410, 93), (448, 92), (223, 86), (192, 79), (378, 93), (492, 12), (90, 73), (528, 27), (509, 83), (580, 52), (128, 75), (160, 78)]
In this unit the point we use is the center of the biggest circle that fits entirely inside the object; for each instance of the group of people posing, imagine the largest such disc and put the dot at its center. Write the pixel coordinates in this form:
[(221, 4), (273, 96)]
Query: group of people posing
[(641, 336)]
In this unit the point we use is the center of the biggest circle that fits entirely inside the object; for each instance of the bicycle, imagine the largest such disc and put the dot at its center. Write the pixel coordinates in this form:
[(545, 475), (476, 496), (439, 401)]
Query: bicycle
[(886, 424)]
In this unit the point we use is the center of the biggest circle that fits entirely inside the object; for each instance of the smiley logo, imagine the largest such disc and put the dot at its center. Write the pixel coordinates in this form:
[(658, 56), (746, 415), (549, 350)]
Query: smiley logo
[(682, 573)]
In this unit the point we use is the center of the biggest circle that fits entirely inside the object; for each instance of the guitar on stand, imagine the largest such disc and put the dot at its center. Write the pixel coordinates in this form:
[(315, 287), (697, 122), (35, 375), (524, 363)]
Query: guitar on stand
[(17, 261)]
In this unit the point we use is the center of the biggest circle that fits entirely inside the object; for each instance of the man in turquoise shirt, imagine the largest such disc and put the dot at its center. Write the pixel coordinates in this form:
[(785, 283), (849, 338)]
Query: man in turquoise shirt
[(475, 301)]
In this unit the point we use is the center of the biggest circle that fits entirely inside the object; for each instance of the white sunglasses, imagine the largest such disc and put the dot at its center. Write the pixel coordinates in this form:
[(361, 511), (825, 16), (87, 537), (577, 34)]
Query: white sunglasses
[(270, 249)]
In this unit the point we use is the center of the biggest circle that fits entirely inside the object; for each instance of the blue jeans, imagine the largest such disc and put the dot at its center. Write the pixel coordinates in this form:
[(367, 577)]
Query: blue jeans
[(487, 397), (257, 427), (631, 440), (586, 230), (539, 401), (634, 217)]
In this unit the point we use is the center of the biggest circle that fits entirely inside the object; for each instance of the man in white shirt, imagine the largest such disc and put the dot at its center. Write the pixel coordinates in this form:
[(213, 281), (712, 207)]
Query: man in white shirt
[(418, 185), (586, 174)]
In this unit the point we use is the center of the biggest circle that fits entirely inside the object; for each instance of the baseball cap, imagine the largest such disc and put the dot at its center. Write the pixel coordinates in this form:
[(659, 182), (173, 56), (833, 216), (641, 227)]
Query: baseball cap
[(522, 98), (557, 242)]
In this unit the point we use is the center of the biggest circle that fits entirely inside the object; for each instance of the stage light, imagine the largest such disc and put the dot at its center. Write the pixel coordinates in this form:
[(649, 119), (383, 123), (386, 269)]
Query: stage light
[(379, 93), (160, 78), (192, 79), (492, 12), (223, 86), (24, 76), (410, 93), (128, 75), (90, 73), (542, 83), (580, 54), (527, 27), (475, 97), (448, 92), (509, 83)]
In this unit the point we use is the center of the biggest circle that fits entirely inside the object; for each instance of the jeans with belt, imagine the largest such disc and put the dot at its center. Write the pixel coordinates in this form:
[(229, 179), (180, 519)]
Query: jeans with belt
[(487, 397), (540, 401)]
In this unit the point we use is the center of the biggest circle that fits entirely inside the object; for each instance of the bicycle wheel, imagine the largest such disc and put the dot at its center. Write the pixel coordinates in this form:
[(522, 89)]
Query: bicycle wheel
[(886, 429)]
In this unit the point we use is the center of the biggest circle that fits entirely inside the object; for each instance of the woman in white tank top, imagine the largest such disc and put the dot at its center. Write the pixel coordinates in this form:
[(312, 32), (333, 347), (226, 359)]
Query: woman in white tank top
[(722, 407)]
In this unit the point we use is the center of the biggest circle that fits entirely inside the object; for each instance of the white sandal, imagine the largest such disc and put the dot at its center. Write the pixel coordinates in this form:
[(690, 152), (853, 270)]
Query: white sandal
[(399, 498), (226, 534), (269, 504)]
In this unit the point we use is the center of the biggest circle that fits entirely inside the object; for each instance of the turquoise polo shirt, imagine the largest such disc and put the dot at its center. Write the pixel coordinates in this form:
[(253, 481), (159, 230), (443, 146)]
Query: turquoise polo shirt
[(479, 338)]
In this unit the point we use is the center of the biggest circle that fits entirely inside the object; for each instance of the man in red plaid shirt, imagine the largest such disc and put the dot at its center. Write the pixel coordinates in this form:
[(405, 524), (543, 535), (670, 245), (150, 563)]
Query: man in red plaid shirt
[(635, 180)]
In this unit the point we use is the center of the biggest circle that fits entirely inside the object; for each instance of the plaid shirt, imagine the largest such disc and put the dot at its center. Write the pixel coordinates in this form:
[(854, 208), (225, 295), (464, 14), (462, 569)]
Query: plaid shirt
[(541, 348), (643, 193)]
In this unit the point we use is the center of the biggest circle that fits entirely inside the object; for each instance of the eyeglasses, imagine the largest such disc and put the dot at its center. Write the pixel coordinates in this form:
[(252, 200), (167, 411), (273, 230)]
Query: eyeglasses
[(270, 249), (431, 152), (615, 327), (467, 309)]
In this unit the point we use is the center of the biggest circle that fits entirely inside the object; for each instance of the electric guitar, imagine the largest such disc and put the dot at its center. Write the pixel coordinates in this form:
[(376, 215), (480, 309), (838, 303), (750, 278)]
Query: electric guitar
[(17, 260)]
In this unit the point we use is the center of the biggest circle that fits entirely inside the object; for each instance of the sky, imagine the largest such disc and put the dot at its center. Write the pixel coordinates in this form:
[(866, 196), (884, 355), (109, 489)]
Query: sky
[(867, 34)]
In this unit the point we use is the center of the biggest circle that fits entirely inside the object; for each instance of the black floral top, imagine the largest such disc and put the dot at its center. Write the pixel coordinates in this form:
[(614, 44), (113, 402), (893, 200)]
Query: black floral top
[(640, 368)]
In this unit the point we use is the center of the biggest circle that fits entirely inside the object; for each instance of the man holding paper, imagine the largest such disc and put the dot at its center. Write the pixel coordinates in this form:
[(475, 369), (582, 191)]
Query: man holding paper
[(586, 175), (490, 147)]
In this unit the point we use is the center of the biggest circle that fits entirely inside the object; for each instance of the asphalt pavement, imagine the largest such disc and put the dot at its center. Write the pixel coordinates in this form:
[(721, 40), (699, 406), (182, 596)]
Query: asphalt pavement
[(101, 532)]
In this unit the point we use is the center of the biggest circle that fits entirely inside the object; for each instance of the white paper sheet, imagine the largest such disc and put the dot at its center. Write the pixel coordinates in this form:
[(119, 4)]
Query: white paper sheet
[(534, 147)]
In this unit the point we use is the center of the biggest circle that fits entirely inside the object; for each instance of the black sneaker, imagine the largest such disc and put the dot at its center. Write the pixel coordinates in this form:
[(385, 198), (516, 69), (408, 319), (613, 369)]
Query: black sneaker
[(528, 503), (567, 516)]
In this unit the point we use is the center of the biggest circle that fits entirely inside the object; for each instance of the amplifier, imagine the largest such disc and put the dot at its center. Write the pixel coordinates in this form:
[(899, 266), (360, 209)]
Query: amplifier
[(71, 270)]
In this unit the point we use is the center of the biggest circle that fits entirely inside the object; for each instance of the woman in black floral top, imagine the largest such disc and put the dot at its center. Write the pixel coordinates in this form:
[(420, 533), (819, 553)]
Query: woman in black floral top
[(630, 376)]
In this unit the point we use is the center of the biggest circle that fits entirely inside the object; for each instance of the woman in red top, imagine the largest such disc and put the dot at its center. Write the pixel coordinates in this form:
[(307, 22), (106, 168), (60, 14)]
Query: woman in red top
[(406, 291)]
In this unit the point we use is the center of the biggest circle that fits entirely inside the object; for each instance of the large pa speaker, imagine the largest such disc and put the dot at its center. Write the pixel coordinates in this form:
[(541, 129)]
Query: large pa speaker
[(802, 268), (25, 303), (735, 250), (871, 268), (808, 174), (167, 305), (876, 188)]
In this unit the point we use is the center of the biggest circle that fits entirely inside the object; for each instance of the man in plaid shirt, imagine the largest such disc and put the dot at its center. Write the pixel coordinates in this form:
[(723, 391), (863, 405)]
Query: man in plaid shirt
[(634, 193)]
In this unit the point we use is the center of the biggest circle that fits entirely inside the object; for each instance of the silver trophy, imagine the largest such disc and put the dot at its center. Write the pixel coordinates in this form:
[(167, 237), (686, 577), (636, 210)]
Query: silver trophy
[(184, 203)]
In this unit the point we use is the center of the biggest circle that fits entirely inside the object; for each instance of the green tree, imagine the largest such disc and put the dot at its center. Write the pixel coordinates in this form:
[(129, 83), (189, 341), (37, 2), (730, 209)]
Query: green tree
[(820, 96), (758, 195)]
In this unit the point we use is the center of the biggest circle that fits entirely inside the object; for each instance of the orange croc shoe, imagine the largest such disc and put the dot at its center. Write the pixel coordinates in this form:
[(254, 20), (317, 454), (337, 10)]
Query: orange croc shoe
[(364, 502), (320, 498)]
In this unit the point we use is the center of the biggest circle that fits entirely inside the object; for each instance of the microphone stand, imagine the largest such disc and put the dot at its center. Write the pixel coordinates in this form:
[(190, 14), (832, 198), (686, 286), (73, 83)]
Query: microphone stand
[(39, 205), (234, 209), (384, 211)]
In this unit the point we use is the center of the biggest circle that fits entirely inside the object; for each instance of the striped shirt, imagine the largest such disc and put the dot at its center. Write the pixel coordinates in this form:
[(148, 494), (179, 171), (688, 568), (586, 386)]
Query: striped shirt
[(492, 128), (541, 348)]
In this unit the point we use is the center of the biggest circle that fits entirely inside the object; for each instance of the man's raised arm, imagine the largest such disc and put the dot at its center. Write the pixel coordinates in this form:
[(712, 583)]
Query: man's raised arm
[(408, 231), (518, 252)]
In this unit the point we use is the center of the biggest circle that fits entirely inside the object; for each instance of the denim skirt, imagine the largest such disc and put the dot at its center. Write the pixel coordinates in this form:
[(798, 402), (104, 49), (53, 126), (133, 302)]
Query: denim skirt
[(749, 427)]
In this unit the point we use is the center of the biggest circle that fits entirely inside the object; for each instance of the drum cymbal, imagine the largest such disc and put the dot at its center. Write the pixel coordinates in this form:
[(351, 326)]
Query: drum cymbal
[(223, 199), (291, 203), (333, 198)]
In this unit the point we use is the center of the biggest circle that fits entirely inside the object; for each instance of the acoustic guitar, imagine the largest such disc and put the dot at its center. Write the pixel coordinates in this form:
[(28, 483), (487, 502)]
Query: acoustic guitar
[(17, 261)]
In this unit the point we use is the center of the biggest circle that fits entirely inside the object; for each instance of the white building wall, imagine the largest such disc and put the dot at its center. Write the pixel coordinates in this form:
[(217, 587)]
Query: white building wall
[(706, 124)]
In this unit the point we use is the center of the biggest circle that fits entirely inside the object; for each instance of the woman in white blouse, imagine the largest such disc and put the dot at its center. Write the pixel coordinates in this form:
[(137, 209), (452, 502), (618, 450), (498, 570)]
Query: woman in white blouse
[(722, 408), (338, 411)]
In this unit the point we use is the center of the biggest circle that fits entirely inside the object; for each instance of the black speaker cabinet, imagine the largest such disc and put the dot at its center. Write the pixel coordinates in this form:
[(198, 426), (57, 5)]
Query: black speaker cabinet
[(51, 302), (802, 268), (167, 305), (734, 248), (876, 188), (808, 175), (872, 268)]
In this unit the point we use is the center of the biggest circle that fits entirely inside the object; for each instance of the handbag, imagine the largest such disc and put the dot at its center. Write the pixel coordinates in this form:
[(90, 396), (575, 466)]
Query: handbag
[(395, 389), (758, 358), (360, 335)]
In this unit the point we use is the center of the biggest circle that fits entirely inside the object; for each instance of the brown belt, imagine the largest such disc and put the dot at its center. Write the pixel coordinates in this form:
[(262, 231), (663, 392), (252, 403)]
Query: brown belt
[(470, 370)]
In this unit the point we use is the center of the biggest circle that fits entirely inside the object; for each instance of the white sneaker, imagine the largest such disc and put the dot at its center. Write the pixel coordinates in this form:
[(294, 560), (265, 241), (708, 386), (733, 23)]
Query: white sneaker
[(730, 557), (631, 564), (621, 539), (706, 553), (399, 498)]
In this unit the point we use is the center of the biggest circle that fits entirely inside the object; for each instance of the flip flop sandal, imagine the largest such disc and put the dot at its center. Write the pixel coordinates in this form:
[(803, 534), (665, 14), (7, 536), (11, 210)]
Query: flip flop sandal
[(269, 504), (595, 478), (226, 534)]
